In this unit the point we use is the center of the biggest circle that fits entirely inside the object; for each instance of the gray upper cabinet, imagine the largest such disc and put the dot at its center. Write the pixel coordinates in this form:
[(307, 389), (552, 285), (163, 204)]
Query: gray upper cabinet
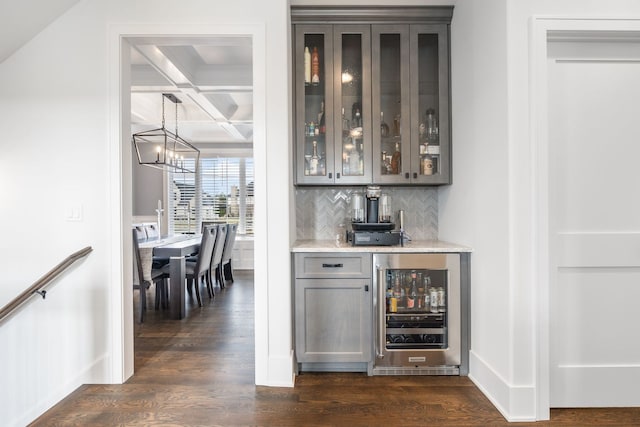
[(379, 112)]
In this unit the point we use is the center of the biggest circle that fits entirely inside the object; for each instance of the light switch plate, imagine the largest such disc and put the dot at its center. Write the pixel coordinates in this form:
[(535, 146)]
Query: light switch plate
[(73, 212)]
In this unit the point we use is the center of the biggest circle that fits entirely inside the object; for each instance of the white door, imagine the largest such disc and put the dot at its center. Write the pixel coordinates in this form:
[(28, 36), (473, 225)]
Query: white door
[(594, 219)]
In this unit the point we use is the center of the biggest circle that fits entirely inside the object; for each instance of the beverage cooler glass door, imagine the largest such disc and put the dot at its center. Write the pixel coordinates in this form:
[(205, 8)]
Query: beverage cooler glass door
[(417, 304)]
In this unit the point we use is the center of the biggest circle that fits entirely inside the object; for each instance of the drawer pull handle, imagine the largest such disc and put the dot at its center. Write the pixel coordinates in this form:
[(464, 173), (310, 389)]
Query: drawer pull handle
[(332, 265)]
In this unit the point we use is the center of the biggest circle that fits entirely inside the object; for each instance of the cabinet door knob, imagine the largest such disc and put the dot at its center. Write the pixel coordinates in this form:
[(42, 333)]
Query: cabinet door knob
[(337, 175), (366, 288), (330, 175), (406, 175), (415, 175)]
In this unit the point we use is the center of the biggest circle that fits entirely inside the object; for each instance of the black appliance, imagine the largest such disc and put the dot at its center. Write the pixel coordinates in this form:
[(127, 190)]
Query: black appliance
[(372, 226)]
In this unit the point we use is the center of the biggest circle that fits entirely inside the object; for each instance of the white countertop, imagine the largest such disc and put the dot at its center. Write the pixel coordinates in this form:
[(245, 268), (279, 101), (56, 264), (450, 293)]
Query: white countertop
[(422, 246)]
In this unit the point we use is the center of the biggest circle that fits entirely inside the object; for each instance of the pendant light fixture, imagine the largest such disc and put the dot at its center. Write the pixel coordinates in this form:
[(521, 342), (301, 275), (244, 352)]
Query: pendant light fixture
[(163, 149)]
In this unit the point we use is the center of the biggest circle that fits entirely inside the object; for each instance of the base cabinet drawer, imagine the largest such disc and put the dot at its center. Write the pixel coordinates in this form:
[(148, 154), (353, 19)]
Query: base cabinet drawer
[(333, 320), (332, 265)]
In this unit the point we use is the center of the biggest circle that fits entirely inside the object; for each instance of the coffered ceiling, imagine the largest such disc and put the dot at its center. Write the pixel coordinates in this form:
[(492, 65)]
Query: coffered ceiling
[(212, 76)]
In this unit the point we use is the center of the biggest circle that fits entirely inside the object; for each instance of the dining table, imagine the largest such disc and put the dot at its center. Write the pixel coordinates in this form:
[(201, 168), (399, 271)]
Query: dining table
[(175, 248)]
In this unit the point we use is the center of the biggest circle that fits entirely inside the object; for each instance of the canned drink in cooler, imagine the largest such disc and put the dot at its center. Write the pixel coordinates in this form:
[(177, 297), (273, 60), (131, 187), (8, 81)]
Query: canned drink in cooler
[(441, 301), (433, 300)]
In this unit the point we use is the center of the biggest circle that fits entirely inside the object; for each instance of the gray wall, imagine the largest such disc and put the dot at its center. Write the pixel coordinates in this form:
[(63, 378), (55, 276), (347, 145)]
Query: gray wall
[(147, 189)]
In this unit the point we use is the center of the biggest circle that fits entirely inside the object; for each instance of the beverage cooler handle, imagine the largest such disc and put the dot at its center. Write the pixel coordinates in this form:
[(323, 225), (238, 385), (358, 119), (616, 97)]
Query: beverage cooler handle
[(380, 308)]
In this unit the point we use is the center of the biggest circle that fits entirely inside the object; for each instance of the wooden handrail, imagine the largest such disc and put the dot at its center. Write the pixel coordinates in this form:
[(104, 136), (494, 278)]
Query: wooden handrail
[(36, 288)]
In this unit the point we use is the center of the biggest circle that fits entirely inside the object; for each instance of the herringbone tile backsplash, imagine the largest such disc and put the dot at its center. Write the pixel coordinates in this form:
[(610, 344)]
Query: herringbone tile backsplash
[(321, 211)]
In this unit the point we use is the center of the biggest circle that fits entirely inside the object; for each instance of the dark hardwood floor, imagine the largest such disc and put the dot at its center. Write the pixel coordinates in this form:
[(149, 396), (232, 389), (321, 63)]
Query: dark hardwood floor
[(200, 372)]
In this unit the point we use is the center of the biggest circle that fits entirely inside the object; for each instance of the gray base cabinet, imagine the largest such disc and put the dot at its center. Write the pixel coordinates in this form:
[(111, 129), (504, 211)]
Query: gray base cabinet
[(333, 311)]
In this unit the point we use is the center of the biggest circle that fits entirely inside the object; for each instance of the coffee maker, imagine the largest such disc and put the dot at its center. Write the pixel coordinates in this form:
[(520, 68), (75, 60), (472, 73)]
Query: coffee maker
[(371, 220)]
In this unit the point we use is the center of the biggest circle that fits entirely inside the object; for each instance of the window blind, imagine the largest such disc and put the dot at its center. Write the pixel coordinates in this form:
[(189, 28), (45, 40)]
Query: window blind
[(220, 192), (183, 201)]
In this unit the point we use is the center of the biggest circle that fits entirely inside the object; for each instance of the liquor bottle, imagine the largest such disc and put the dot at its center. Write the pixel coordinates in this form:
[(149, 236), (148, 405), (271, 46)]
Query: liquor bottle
[(321, 121), (420, 297), (315, 67), (383, 163), (307, 66), (357, 120), (413, 292), (345, 125), (322, 167), (384, 128), (427, 163), (354, 160), (313, 163), (395, 160), (427, 285), (392, 302), (397, 291), (432, 126)]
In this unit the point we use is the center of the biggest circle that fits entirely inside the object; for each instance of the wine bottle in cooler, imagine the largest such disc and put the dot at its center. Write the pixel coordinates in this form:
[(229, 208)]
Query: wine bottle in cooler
[(413, 291)]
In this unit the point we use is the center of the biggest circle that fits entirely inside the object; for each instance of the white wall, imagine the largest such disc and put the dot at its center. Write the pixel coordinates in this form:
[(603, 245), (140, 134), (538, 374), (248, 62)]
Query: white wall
[(474, 210), (60, 144)]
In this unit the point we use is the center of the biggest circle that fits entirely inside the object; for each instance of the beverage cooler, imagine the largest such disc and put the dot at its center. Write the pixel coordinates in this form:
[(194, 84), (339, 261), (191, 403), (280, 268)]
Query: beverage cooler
[(418, 317)]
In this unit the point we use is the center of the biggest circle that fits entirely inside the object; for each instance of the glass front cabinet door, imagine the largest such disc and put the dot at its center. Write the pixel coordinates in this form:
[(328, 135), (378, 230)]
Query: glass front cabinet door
[(314, 106), (410, 77), (333, 105)]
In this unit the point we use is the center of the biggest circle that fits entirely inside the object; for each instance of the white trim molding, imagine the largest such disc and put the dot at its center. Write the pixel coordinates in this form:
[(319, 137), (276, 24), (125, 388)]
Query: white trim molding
[(120, 209), (542, 30), (515, 403)]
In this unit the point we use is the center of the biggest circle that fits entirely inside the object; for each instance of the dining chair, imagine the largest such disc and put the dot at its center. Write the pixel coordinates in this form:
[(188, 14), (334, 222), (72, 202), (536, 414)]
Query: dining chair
[(140, 232), (198, 270), (226, 271), (146, 275), (152, 231), (216, 258)]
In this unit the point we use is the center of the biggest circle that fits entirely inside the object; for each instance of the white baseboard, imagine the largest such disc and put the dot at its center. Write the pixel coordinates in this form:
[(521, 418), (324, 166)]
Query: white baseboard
[(281, 371), (515, 403), (95, 373)]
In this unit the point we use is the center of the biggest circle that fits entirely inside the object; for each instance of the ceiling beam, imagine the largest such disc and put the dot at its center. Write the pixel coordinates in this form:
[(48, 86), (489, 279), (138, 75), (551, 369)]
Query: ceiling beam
[(180, 69)]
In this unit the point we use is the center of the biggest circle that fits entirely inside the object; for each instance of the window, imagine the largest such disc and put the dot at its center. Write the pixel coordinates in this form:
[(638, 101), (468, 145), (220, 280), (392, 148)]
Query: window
[(220, 192)]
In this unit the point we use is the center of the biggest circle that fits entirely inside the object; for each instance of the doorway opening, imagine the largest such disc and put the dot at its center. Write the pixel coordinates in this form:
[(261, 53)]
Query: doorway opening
[(212, 76)]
